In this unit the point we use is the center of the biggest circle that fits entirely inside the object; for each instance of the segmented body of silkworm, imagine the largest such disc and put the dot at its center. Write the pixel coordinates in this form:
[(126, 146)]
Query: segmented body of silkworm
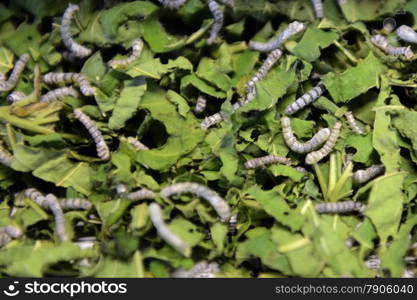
[(406, 33), (316, 156), (292, 29), (340, 207), (232, 225), (155, 213), (305, 99), (266, 160), (56, 78), (382, 43), (15, 97), (59, 94), (4, 239), (200, 105), (173, 4), (218, 203), (11, 231), (353, 124), (10, 83), (102, 149), (136, 143), (75, 204), (140, 195), (318, 8), (319, 138), (213, 120), (74, 48), (362, 176), (218, 21), (201, 269), (137, 46), (5, 157)]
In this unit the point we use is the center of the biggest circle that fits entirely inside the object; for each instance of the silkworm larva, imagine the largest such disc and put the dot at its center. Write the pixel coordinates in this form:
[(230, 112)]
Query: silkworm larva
[(36, 196), (200, 105), (212, 120), (155, 213), (5, 157), (136, 143), (266, 160), (388, 25), (305, 99), (80, 79), (301, 169), (137, 47), (292, 29), (10, 83), (75, 204), (2, 76), (407, 34), (75, 48), (352, 123), (173, 4), (54, 206), (373, 262), (201, 269), (15, 97), (217, 202), (381, 42), (218, 21), (102, 150), (348, 159), (11, 231), (318, 8), (319, 138), (141, 194), (232, 225), (121, 189), (4, 239), (362, 176), (340, 207), (59, 94), (316, 156)]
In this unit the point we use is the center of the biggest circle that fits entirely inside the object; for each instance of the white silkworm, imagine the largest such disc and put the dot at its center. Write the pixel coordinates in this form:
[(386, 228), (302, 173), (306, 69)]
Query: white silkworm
[(155, 213), (36, 196), (137, 46), (136, 143), (316, 156), (75, 204), (15, 97), (340, 207), (232, 225), (382, 42), (11, 231), (319, 138), (212, 120), (80, 79), (10, 83), (2, 76), (407, 34), (141, 194), (4, 239), (301, 169), (318, 8), (218, 21), (217, 202), (173, 4), (352, 123), (201, 269), (5, 157), (362, 176), (292, 29), (348, 159), (121, 189), (200, 105), (266, 160), (75, 48), (373, 262), (305, 99), (59, 94), (102, 149)]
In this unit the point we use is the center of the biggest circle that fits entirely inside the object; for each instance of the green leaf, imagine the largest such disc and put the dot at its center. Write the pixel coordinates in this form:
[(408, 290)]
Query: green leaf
[(312, 42), (112, 268)]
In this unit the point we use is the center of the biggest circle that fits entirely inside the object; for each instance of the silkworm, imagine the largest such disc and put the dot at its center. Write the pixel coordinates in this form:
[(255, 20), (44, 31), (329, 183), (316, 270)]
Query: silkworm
[(266, 160), (292, 29), (305, 99), (75, 204), (201, 269), (2, 76), (388, 25), (200, 105), (319, 138), (53, 204), (4, 239), (318, 8), (362, 176), (10, 83), (373, 262), (218, 21), (141, 194), (11, 231), (59, 94), (155, 213), (340, 207), (316, 156), (232, 225), (75, 48), (121, 189), (381, 42), (15, 97), (217, 202), (352, 123), (102, 149), (80, 79), (5, 157), (301, 169), (348, 159), (36, 196), (407, 34), (137, 46), (173, 4), (212, 120), (136, 143)]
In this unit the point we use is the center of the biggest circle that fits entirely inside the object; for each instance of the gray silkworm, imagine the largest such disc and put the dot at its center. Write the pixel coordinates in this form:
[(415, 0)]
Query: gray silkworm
[(353, 124), (155, 213), (218, 21), (232, 225), (59, 94), (140, 195), (348, 159), (316, 156), (407, 34), (173, 4), (137, 47), (75, 204), (200, 105), (305, 99), (15, 97), (292, 29), (11, 231), (340, 207), (2, 76), (373, 262), (201, 269), (266, 160), (35, 196), (80, 79), (10, 83), (212, 120), (102, 149), (218, 203), (319, 138), (301, 169), (382, 43), (4, 239), (5, 157), (318, 8), (121, 189), (362, 176), (136, 143), (74, 48)]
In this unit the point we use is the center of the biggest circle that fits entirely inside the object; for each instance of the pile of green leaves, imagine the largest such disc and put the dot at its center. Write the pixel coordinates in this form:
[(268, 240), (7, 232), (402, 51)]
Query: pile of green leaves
[(279, 234)]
